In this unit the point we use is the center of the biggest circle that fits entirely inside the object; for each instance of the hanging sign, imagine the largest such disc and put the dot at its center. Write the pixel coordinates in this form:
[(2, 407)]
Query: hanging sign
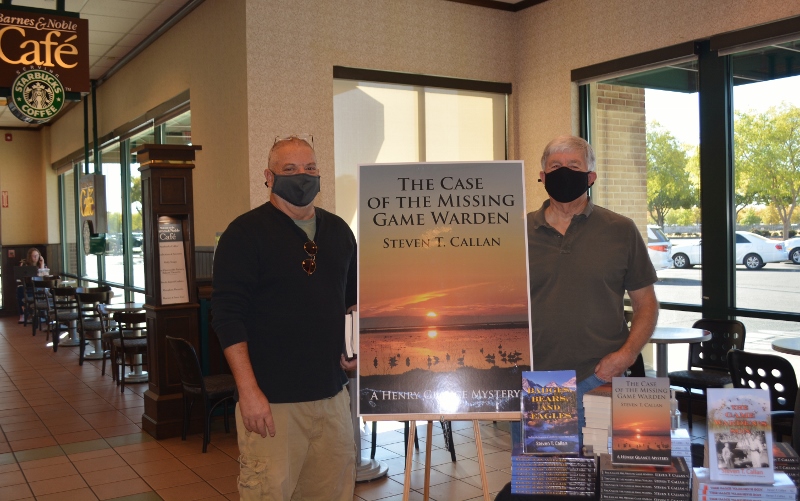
[(42, 57), (443, 289)]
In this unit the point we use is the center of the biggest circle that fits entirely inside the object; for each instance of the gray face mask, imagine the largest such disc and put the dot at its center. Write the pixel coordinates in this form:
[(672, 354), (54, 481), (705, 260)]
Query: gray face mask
[(298, 189)]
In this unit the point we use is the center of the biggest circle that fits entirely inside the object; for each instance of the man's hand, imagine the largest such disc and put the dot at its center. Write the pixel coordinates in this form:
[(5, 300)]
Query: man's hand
[(256, 413), (348, 365), (612, 365)]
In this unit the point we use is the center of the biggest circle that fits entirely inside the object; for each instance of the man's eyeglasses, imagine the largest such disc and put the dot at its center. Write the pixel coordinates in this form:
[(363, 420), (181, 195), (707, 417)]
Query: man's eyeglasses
[(308, 138), (310, 263)]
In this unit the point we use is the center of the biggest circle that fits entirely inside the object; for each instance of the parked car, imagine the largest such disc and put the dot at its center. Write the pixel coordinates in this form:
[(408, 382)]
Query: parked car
[(659, 248), (753, 251), (793, 248)]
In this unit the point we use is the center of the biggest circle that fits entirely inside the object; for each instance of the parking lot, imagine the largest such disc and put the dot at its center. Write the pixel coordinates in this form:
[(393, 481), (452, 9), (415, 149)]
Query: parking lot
[(776, 287)]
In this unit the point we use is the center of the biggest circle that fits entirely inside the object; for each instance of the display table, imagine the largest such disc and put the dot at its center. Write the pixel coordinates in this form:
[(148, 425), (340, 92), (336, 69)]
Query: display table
[(663, 336)]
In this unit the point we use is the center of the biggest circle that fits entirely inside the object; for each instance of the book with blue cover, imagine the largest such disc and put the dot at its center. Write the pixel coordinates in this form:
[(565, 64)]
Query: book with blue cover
[(550, 413)]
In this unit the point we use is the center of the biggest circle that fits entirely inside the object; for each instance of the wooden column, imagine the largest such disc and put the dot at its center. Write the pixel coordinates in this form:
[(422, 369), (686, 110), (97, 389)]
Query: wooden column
[(167, 204)]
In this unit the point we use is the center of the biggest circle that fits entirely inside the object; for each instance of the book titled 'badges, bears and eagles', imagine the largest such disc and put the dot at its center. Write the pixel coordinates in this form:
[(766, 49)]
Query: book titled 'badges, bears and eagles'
[(640, 421), (549, 413), (740, 435)]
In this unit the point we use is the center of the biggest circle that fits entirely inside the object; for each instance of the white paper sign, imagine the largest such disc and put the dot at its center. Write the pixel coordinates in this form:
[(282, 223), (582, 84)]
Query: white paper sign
[(174, 287)]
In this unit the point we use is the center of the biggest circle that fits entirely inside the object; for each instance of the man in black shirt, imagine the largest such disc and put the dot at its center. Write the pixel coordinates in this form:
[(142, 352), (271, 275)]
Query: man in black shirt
[(284, 277)]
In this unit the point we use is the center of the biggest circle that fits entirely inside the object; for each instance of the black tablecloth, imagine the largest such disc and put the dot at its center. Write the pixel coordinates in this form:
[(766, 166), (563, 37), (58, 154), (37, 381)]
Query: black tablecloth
[(505, 495)]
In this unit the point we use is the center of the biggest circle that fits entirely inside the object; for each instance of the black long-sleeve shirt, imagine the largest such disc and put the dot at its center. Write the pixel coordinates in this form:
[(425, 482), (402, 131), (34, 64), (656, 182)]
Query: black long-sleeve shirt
[(293, 323)]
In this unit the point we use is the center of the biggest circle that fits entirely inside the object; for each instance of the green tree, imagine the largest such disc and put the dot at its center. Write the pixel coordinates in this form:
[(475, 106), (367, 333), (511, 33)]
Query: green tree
[(749, 217), (669, 184), (767, 149)]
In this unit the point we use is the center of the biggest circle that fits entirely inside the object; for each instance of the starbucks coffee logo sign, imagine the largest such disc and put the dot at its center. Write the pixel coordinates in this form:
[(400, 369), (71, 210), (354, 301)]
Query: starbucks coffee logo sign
[(36, 96)]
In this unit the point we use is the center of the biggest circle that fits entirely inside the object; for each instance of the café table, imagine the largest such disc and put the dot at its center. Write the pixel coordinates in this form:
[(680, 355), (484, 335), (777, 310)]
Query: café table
[(138, 375), (788, 345), (662, 336)]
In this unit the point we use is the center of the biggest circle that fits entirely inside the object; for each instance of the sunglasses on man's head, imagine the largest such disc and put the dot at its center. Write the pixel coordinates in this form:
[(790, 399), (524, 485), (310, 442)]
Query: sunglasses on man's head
[(310, 263)]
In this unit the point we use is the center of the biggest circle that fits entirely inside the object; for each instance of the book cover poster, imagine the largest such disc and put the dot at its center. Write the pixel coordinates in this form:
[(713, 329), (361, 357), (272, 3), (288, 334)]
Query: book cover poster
[(443, 288), (549, 413), (740, 435), (640, 421)]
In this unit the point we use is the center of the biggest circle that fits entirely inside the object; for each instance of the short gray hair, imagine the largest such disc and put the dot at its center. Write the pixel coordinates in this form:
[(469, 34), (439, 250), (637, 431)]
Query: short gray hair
[(566, 143)]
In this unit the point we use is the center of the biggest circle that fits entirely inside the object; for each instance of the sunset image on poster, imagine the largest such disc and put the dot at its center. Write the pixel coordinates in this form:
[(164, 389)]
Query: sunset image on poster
[(443, 288)]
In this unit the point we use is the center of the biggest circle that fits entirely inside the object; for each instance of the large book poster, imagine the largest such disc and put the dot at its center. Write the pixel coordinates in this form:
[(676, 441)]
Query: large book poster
[(443, 288)]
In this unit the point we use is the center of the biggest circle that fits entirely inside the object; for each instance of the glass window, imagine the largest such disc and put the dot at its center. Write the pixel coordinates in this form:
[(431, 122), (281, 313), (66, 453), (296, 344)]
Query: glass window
[(113, 256), (70, 209), (645, 132), (137, 234), (766, 126), (178, 130), (379, 122)]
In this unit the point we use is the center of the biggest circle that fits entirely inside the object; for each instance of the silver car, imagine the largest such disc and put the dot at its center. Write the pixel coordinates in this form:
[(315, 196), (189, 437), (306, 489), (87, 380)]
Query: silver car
[(793, 247)]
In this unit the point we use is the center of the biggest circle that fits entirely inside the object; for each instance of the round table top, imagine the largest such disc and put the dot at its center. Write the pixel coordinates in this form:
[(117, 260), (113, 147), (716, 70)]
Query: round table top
[(667, 335), (129, 307), (789, 345)]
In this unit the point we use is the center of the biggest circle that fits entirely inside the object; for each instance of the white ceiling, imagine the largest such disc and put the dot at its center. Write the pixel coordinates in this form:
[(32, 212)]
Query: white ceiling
[(115, 28)]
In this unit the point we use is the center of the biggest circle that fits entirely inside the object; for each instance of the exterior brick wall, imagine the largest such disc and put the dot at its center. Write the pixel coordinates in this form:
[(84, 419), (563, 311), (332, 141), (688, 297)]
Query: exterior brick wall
[(619, 140)]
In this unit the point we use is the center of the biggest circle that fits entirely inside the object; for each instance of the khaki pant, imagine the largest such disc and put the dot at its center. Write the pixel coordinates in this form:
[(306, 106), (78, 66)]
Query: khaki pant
[(311, 457)]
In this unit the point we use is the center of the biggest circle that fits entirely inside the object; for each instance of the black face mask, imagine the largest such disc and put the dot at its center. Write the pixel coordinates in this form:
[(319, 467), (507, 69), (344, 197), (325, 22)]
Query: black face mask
[(565, 184), (298, 189)]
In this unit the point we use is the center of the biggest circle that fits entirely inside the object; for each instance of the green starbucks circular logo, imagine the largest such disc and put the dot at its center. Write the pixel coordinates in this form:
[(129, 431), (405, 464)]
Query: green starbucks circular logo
[(36, 96)]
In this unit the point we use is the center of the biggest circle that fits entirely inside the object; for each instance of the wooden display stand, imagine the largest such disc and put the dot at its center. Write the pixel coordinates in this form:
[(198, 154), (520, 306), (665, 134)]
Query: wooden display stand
[(170, 294)]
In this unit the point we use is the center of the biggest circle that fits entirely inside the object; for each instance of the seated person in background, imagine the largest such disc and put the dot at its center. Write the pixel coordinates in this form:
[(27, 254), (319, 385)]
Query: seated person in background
[(34, 258)]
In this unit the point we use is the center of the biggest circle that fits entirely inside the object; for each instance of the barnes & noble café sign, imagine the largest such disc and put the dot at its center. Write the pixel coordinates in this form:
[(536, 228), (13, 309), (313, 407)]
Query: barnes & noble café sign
[(42, 57)]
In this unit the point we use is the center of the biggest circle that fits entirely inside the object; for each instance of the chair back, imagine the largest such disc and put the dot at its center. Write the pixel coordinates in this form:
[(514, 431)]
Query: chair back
[(64, 301), (712, 354), (87, 307), (131, 324), (770, 372), (188, 364)]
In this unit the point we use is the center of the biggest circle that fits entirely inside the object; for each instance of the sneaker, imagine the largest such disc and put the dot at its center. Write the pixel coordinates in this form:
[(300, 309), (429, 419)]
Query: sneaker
[(21, 319)]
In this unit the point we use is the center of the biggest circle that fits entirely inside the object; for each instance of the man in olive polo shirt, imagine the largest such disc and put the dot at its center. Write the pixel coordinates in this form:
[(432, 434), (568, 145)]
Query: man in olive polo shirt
[(583, 258)]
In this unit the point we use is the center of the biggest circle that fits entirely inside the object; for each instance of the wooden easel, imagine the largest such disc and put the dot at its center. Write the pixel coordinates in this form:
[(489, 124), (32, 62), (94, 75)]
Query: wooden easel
[(475, 418)]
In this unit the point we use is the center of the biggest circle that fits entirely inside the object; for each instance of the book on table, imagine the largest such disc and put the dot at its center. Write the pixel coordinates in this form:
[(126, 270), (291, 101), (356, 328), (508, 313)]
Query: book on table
[(549, 413), (640, 421), (740, 435)]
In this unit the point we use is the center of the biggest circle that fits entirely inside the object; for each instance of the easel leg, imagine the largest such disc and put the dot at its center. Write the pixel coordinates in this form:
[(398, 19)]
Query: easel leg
[(479, 445), (412, 431), (427, 492)]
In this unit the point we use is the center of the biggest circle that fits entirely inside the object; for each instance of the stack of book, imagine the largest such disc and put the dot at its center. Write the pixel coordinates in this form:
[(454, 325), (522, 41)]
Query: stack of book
[(635, 483), (597, 413), (682, 445), (781, 489), (552, 475), (786, 460)]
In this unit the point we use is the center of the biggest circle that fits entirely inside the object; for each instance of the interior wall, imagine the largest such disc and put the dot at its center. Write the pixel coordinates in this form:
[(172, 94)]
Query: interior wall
[(558, 36), (25, 220), (204, 53), (291, 53)]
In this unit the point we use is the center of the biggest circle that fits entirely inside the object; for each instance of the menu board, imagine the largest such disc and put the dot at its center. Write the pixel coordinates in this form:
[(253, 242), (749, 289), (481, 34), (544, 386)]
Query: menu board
[(174, 288)]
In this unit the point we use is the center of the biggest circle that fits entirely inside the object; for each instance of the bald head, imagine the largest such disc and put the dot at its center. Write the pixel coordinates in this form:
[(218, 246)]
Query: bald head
[(281, 148)]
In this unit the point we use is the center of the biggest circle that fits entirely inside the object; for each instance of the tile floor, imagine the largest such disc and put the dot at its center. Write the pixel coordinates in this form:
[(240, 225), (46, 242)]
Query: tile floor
[(68, 434)]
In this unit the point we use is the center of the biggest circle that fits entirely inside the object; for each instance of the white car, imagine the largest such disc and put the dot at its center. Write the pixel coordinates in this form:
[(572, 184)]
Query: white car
[(753, 251), (793, 247), (659, 248)]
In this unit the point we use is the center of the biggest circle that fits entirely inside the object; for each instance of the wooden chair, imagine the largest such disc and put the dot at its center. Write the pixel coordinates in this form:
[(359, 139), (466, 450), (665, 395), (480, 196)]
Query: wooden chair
[(109, 333), (212, 390), (65, 312), (131, 345), (708, 364), (90, 322), (772, 372), (42, 303)]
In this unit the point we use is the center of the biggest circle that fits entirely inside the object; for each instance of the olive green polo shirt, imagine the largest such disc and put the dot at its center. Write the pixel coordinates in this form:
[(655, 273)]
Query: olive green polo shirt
[(577, 283)]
